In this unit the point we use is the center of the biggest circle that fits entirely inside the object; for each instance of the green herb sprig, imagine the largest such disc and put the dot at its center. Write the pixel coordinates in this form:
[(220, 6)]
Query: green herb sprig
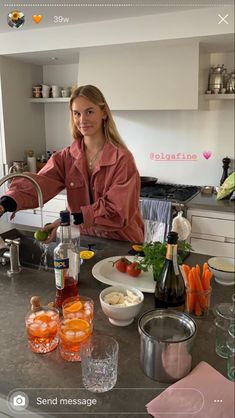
[(155, 253)]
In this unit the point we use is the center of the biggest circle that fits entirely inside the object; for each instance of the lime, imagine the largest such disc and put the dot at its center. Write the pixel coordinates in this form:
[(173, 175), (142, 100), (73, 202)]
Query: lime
[(40, 235)]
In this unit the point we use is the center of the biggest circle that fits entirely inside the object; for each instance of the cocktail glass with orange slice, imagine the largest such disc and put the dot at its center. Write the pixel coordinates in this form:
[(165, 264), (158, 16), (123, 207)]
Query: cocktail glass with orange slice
[(79, 307), (42, 329), (73, 331)]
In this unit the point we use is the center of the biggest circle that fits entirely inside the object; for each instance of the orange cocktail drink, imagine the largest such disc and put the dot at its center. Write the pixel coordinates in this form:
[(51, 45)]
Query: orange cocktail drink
[(79, 307), (42, 329), (73, 331)]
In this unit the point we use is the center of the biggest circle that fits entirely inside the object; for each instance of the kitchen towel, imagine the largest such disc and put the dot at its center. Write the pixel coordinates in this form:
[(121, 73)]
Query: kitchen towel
[(157, 216), (204, 393)]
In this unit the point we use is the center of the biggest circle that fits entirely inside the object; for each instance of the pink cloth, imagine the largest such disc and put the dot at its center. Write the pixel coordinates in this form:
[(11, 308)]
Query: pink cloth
[(197, 395), (114, 185)]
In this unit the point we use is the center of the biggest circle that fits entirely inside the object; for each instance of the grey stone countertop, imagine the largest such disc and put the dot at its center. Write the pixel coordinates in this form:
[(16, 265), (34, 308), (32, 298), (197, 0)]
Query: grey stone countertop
[(209, 202), (48, 376)]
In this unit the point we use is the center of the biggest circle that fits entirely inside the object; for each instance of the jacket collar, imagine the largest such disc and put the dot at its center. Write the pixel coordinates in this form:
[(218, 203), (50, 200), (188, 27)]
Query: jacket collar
[(109, 154)]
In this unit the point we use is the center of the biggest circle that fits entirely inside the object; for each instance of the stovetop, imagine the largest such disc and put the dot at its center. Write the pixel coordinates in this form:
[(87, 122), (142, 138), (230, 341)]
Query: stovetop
[(170, 192)]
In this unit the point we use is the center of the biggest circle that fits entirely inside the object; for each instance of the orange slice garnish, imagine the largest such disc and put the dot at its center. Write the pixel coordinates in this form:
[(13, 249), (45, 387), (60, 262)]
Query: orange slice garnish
[(78, 324), (43, 317), (137, 247), (86, 255), (74, 307)]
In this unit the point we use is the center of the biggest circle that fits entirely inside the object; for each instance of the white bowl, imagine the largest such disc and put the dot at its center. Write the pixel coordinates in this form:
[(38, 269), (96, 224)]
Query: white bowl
[(121, 315), (223, 269)]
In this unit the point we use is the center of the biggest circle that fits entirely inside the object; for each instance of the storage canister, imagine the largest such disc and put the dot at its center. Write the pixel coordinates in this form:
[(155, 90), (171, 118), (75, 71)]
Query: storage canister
[(166, 338)]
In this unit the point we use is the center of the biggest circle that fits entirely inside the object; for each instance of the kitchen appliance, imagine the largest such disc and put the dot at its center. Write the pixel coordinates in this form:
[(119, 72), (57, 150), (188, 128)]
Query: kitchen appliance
[(178, 194), (166, 338), (216, 78), (148, 181), (231, 83)]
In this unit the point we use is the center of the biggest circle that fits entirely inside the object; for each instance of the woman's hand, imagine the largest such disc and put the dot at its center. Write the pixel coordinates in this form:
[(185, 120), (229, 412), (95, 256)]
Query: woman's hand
[(51, 229)]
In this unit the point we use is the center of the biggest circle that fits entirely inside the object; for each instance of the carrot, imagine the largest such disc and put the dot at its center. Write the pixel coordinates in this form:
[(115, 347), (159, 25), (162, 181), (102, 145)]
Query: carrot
[(206, 280), (186, 269), (204, 270), (199, 288), (206, 286), (205, 266), (198, 310), (198, 270), (190, 295)]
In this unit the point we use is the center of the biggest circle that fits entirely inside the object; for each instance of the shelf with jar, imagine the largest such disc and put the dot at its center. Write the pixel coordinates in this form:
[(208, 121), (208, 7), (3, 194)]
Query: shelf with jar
[(219, 96), (51, 94), (221, 84), (50, 100)]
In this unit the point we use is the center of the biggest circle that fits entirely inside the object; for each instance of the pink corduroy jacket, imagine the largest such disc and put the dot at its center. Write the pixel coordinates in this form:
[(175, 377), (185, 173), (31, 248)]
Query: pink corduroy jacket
[(114, 185)]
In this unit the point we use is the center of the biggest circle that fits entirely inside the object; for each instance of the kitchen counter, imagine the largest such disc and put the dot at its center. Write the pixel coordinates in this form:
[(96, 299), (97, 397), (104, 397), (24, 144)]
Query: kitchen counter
[(206, 202), (49, 376)]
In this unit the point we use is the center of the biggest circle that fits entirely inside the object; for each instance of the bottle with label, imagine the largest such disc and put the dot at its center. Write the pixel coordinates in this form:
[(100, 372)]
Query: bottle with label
[(170, 287), (66, 262)]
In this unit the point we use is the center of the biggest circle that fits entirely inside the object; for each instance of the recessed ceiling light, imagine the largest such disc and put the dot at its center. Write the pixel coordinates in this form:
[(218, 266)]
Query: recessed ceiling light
[(54, 58)]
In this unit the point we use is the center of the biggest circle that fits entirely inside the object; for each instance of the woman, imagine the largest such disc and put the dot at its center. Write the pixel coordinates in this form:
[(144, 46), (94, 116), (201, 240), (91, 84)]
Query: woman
[(97, 170)]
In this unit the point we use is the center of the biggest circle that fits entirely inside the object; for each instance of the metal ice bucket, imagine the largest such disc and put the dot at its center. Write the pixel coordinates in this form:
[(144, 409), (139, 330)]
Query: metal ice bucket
[(166, 339)]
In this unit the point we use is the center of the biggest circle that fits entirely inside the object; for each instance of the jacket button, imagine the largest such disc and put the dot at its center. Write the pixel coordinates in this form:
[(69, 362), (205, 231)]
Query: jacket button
[(71, 184)]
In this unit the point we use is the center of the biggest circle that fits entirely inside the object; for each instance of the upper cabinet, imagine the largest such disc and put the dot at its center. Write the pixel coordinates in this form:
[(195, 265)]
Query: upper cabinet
[(144, 77)]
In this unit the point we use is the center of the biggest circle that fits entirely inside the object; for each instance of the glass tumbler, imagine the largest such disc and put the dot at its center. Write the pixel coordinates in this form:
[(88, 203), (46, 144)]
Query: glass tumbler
[(99, 358), (231, 352), (72, 332), (224, 319), (198, 303), (42, 329)]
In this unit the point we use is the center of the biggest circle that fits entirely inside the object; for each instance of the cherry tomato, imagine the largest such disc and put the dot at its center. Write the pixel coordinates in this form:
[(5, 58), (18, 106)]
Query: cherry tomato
[(133, 269), (121, 264)]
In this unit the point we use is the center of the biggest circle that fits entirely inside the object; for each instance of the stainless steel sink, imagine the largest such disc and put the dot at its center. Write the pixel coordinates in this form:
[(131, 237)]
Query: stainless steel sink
[(33, 254)]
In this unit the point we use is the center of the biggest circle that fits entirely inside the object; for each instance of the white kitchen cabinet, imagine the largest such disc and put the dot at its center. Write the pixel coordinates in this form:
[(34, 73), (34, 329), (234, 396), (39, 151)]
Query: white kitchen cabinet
[(144, 76), (212, 232), (32, 217)]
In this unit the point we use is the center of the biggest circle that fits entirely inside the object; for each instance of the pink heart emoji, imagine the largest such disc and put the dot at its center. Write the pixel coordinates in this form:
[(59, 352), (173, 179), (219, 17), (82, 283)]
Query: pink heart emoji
[(207, 154)]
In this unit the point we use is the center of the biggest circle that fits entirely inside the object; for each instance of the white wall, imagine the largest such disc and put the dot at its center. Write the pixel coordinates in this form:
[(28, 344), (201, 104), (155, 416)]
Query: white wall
[(23, 123), (57, 114), (168, 132), (172, 132)]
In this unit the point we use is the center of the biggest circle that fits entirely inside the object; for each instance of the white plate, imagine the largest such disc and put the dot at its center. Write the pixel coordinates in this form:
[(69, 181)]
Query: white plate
[(106, 273)]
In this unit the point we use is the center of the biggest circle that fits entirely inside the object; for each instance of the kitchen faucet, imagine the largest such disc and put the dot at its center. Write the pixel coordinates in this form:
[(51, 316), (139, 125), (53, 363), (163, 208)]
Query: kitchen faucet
[(13, 245), (26, 176)]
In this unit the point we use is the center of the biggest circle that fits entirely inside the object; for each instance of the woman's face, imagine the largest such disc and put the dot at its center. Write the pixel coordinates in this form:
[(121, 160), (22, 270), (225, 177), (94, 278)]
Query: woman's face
[(87, 116)]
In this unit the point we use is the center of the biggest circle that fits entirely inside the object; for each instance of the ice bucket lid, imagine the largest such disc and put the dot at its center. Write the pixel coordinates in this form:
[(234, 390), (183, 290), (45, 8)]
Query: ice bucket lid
[(167, 326)]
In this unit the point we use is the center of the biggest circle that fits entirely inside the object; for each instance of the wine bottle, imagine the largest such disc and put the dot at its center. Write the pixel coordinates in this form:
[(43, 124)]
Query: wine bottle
[(66, 262), (170, 287)]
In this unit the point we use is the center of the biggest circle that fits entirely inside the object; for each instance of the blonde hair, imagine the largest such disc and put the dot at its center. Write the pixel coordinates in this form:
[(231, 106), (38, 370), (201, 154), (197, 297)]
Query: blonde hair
[(93, 94)]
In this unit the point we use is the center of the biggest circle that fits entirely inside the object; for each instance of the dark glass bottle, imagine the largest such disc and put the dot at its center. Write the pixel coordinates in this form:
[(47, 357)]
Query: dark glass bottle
[(170, 287), (66, 262)]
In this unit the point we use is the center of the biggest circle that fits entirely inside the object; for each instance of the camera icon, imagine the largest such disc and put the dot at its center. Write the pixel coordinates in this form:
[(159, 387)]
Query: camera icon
[(19, 400)]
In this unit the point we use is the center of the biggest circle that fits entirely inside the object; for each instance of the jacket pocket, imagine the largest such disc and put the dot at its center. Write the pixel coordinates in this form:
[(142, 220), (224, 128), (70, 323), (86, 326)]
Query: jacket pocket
[(74, 183)]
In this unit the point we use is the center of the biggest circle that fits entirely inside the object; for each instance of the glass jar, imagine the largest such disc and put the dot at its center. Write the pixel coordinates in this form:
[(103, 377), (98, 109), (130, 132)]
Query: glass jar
[(231, 352), (224, 319)]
